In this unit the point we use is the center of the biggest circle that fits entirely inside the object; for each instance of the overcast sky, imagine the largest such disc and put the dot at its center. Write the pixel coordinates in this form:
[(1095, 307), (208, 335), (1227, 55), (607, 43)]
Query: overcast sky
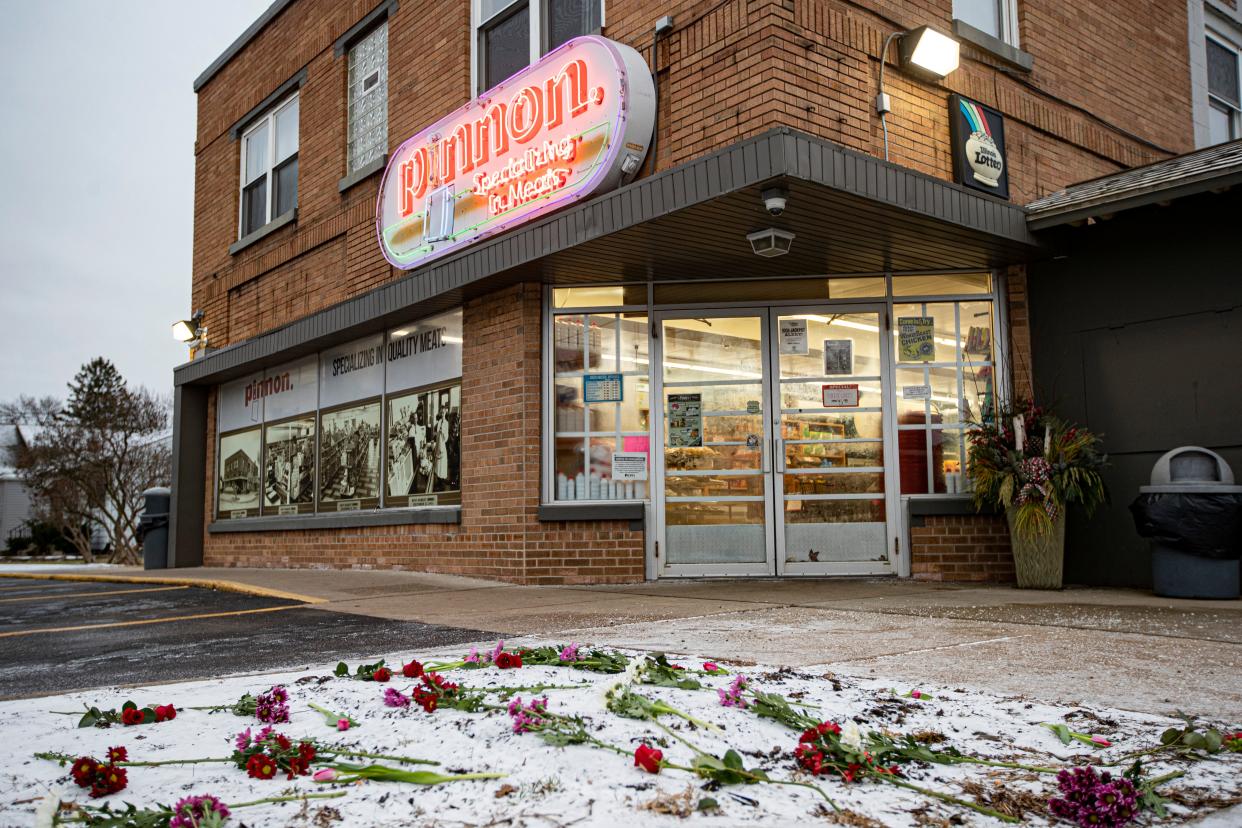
[(97, 194)]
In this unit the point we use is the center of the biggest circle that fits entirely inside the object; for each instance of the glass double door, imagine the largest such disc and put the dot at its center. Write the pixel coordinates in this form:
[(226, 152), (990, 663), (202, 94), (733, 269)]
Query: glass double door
[(773, 441)]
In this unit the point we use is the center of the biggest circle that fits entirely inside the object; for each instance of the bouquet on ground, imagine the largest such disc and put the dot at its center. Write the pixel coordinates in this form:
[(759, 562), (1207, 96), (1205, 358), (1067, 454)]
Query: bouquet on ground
[(129, 714), (267, 752), (1035, 464)]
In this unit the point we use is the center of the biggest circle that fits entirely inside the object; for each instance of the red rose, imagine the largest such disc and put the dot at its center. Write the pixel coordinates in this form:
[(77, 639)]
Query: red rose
[(131, 716), (648, 758), (412, 670), (165, 712), (117, 754), (425, 699), (382, 674), (506, 661), (261, 766)]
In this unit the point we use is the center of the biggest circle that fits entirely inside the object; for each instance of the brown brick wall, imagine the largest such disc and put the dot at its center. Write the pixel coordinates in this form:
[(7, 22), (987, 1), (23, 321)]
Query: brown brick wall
[(961, 548), (730, 69), (500, 535)]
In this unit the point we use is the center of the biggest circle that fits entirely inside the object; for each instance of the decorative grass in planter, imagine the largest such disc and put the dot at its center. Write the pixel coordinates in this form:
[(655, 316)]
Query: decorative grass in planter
[(1032, 465)]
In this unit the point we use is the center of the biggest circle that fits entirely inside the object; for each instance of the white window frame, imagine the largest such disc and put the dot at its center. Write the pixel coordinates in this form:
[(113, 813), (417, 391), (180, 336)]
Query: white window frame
[(381, 84), (536, 37), (1007, 11), (269, 119), (1219, 103)]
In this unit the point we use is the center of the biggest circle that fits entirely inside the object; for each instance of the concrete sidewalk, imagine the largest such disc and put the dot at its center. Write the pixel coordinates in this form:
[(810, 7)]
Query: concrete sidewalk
[(1122, 648)]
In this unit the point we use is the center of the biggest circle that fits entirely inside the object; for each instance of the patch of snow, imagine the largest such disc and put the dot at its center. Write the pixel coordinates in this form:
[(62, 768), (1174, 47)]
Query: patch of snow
[(578, 785)]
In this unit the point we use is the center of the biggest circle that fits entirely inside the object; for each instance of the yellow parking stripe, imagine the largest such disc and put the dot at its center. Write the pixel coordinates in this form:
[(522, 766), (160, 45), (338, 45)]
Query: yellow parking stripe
[(15, 633), (48, 595)]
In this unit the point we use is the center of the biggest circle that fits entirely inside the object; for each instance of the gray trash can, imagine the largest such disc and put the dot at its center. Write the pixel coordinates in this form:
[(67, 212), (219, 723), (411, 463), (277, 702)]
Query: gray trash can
[(153, 527), (1192, 512)]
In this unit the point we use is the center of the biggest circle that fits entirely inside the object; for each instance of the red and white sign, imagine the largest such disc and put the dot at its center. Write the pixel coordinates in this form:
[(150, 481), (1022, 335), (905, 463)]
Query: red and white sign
[(577, 122), (841, 395)]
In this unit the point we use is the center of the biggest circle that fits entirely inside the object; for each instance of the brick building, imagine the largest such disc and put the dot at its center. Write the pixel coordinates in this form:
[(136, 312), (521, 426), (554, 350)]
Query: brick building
[(613, 379)]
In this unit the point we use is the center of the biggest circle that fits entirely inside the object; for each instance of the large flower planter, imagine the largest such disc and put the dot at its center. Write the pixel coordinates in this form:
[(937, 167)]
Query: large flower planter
[(1038, 562)]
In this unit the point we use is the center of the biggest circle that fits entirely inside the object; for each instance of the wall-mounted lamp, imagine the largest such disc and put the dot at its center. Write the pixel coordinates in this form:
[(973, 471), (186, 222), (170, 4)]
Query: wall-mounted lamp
[(927, 52), (192, 332), (924, 52)]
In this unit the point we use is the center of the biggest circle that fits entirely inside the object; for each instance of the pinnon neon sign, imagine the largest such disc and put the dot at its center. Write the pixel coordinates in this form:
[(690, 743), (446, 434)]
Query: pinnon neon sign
[(576, 123)]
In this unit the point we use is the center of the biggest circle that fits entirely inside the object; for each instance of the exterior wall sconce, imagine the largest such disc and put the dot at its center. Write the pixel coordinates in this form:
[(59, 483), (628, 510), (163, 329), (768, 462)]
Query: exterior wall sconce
[(927, 52), (924, 52), (192, 332)]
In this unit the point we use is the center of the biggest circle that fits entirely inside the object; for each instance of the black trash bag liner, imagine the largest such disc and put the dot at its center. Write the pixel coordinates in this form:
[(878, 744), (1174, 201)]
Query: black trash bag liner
[(1206, 525)]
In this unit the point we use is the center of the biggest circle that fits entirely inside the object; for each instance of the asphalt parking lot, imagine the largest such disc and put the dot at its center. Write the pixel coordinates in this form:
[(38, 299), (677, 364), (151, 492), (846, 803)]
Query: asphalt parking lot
[(58, 636)]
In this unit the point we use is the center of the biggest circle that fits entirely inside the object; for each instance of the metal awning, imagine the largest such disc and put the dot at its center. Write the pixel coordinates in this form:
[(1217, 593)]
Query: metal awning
[(852, 213)]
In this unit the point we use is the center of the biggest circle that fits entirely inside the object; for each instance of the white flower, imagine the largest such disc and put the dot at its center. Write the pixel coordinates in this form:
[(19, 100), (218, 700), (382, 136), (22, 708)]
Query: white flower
[(632, 674), (851, 736), (45, 813)]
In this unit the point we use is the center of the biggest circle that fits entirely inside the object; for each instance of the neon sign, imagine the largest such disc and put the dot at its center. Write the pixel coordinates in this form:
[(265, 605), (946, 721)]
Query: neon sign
[(576, 123)]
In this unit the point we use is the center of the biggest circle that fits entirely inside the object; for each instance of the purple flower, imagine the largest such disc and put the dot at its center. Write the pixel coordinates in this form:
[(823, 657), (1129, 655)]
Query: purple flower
[(242, 740), (500, 648), (570, 653), (732, 696), (473, 658), (527, 718), (192, 811), (1089, 800), (393, 698), (272, 706)]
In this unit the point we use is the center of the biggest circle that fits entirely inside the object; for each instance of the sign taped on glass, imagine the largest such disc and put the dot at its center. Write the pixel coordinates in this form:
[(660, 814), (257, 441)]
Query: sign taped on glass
[(916, 340), (685, 420), (574, 123)]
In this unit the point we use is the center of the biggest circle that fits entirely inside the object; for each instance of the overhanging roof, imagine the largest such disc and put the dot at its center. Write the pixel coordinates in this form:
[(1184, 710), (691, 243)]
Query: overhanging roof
[(1213, 168), (851, 212)]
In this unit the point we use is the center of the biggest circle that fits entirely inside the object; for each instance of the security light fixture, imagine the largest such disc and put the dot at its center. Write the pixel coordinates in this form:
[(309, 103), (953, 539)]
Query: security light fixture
[(770, 242), (928, 52), (185, 330), (923, 51)]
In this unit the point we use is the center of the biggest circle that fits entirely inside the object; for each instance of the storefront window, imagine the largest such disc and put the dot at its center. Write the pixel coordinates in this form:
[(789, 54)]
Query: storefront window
[(423, 386), (602, 404), (944, 386)]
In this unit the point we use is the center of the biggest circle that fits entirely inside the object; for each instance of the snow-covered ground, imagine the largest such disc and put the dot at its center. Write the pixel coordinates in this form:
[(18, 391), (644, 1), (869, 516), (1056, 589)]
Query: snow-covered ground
[(582, 785)]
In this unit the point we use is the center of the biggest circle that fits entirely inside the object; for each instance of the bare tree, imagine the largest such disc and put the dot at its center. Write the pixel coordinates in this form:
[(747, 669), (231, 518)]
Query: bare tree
[(94, 456)]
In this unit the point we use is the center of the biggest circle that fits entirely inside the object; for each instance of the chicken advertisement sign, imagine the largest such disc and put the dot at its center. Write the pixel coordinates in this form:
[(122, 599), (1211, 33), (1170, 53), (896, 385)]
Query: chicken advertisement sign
[(576, 123)]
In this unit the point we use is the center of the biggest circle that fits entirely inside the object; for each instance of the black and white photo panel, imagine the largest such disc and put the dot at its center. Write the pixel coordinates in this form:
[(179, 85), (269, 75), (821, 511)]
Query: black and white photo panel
[(424, 448), (349, 458), (289, 467), (237, 492)]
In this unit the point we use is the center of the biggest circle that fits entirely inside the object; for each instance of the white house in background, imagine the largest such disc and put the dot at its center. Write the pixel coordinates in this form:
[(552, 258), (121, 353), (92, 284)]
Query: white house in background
[(15, 508)]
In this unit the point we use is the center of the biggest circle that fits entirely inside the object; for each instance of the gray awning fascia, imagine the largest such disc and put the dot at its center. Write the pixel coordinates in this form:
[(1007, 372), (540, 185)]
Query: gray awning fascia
[(775, 154)]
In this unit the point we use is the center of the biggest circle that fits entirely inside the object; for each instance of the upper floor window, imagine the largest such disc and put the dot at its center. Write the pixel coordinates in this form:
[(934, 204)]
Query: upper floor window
[(1224, 81), (511, 34), (998, 18), (269, 166), (368, 98)]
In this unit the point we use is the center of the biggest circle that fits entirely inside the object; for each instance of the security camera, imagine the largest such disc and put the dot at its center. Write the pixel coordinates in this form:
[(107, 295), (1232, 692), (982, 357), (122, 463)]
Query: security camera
[(774, 200)]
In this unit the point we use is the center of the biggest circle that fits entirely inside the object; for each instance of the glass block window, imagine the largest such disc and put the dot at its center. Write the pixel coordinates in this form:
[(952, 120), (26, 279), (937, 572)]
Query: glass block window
[(1224, 93), (368, 98), (941, 398), (591, 348), (269, 167)]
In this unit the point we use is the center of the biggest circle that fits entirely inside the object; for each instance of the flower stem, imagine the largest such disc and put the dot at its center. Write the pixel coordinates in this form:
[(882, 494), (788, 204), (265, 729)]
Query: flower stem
[(971, 760), (944, 797), (405, 760), (155, 764), (297, 798)]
